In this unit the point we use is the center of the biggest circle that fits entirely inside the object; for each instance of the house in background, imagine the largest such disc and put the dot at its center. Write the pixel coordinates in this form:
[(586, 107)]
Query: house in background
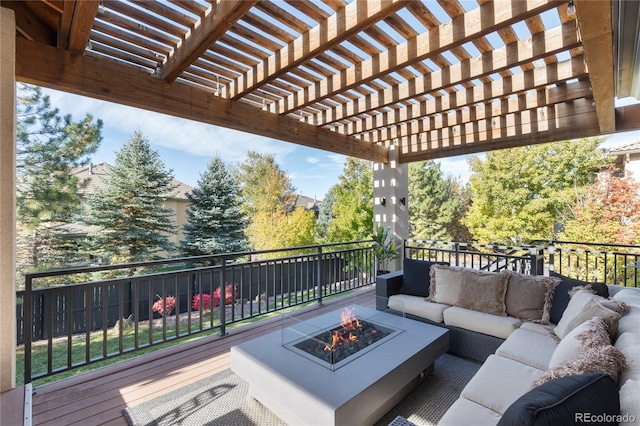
[(308, 203), (96, 176), (627, 159)]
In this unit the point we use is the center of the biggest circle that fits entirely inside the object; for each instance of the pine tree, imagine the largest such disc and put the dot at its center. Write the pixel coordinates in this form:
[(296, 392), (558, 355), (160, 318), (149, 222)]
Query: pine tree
[(325, 214), (431, 209), (133, 224), (215, 220), (48, 148)]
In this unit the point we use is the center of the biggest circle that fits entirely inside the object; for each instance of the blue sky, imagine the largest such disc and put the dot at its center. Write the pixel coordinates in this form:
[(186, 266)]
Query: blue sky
[(188, 146)]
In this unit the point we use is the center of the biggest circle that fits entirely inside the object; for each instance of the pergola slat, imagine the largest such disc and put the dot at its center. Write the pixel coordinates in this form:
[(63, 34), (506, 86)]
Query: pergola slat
[(375, 72), (49, 67), (460, 30), (348, 21)]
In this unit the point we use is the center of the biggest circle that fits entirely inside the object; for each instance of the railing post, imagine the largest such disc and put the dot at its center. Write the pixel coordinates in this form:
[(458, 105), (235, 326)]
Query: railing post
[(536, 256), (223, 299), (319, 277), (28, 327), (551, 249), (456, 248)]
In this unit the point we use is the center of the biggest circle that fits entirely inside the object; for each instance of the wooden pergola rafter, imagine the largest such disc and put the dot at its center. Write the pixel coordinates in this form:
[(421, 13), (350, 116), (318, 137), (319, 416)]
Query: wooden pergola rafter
[(433, 78)]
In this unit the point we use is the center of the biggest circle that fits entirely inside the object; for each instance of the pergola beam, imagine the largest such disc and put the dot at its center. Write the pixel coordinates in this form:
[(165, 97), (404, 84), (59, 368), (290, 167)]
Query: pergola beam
[(628, 118), (88, 76), (29, 25), (218, 18), (538, 101), (538, 46), (594, 20), (476, 23), (349, 20), (569, 121), (76, 23)]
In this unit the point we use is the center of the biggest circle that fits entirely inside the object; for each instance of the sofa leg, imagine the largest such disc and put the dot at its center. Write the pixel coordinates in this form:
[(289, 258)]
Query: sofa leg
[(427, 371)]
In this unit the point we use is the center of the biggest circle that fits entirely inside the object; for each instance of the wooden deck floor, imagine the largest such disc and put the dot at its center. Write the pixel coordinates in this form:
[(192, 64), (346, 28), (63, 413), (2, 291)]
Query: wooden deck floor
[(98, 397)]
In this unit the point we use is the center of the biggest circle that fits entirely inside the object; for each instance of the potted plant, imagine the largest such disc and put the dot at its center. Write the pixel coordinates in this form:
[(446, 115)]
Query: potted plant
[(384, 249)]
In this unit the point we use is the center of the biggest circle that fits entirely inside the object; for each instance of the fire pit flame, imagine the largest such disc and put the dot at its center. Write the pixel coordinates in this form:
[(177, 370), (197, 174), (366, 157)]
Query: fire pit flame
[(344, 336)]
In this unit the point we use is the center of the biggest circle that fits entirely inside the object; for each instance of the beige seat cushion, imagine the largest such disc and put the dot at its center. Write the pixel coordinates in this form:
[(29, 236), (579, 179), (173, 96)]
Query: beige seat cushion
[(630, 401), (629, 344), (493, 325), (500, 382), (546, 329), (529, 347), (416, 305), (630, 296), (630, 321), (468, 413)]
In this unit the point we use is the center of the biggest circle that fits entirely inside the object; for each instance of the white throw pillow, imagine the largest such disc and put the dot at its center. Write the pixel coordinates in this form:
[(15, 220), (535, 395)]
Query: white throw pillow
[(583, 306), (590, 333)]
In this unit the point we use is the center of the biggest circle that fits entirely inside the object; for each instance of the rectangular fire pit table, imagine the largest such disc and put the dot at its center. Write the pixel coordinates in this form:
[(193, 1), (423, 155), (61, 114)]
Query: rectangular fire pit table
[(302, 391)]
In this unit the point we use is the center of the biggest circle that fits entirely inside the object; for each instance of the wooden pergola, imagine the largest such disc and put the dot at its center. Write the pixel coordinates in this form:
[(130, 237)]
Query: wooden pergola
[(434, 78), (391, 81)]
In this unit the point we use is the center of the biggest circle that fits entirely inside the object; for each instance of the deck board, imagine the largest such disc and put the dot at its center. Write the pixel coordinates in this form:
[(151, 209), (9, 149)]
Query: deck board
[(98, 397)]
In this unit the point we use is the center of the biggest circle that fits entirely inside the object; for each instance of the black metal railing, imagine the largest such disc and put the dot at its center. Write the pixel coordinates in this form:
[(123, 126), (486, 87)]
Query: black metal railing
[(595, 262), (67, 326), (494, 258)]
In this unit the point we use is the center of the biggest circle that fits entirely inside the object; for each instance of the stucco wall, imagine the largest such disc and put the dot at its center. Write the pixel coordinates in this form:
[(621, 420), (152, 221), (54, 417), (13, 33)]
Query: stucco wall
[(7, 200)]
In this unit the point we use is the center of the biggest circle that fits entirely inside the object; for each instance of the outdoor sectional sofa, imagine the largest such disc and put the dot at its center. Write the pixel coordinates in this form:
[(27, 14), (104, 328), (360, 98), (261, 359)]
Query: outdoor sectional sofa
[(552, 348)]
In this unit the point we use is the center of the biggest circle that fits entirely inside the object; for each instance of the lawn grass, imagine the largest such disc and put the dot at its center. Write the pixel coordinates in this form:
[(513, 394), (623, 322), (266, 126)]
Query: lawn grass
[(59, 357)]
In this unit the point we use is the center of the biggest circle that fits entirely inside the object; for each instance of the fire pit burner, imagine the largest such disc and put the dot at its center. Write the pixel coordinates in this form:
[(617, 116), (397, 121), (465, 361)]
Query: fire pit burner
[(335, 345)]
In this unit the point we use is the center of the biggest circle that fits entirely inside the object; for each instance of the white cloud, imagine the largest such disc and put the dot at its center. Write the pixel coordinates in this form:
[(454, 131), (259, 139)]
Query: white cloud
[(313, 160), (456, 167), (171, 132)]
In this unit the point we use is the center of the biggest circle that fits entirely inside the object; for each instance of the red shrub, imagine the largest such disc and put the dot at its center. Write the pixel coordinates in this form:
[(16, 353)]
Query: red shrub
[(164, 308)]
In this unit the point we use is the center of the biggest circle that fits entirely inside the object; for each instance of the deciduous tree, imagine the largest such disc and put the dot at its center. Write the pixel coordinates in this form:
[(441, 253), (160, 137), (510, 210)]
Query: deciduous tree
[(519, 193), (353, 206), (270, 200), (215, 220), (608, 212), (132, 220)]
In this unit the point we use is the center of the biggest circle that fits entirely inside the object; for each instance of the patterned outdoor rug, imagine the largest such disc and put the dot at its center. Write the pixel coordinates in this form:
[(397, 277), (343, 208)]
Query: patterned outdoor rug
[(222, 400)]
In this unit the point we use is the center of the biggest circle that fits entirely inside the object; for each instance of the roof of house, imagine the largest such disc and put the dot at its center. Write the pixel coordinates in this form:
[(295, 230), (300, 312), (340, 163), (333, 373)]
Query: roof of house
[(97, 175), (307, 203), (629, 148)]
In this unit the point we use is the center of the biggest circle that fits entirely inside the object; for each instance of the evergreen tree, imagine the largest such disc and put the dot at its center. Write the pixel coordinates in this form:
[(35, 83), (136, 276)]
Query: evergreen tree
[(133, 224), (353, 206), (325, 214), (215, 220), (48, 148), (519, 193), (431, 206), (462, 194)]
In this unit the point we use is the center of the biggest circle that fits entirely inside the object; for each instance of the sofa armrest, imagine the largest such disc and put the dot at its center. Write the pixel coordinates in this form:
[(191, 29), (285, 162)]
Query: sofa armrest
[(387, 285)]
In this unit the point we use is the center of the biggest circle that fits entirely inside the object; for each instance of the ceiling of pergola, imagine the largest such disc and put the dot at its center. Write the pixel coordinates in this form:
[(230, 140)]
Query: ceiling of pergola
[(435, 78)]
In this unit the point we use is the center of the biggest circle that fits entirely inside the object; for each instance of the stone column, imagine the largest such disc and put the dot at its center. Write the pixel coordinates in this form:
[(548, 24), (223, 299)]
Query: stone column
[(390, 192), (7, 200)]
